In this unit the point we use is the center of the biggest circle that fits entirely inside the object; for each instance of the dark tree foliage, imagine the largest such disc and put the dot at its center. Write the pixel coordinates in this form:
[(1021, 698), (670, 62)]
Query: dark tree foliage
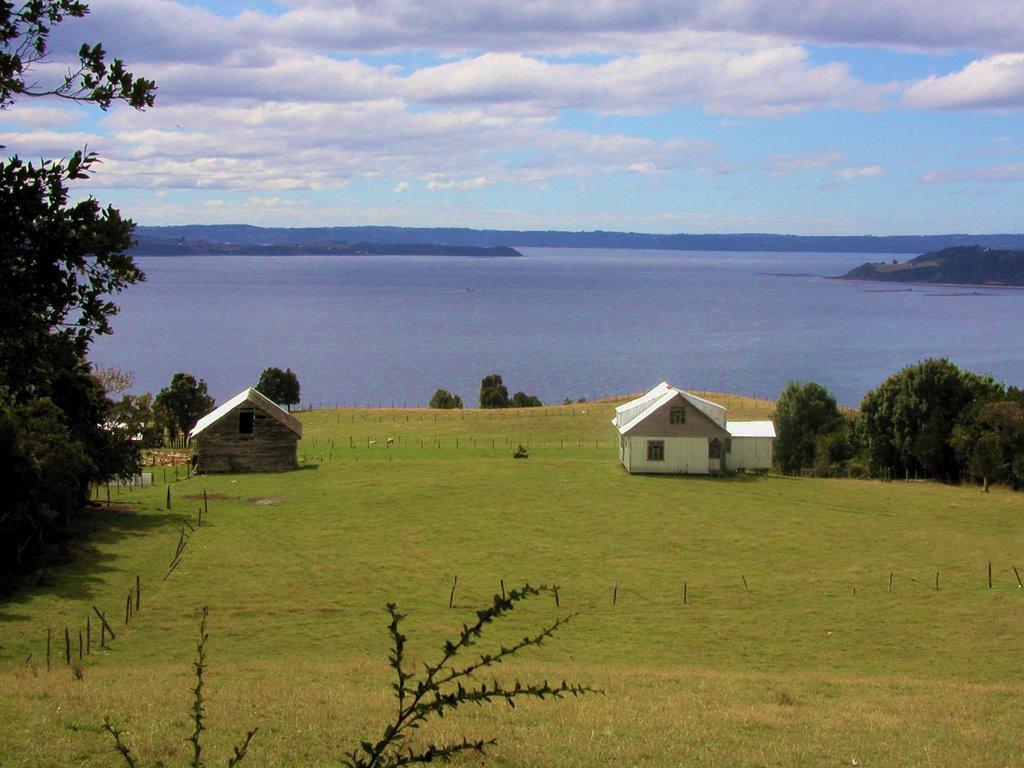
[(445, 400), (179, 406), (990, 441), (493, 393), (835, 450), (523, 400), (24, 42), (908, 420), (61, 262), (43, 466), (437, 689), (804, 413), (280, 386)]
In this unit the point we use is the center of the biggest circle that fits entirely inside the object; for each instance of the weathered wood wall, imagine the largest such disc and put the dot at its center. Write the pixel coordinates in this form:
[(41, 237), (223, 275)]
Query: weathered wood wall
[(272, 447)]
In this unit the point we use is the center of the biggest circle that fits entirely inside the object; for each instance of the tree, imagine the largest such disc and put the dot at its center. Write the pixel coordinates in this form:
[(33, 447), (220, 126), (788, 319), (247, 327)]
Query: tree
[(182, 404), (280, 386), (493, 393), (444, 399), (62, 263), (908, 420), (990, 441), (804, 413), (523, 400)]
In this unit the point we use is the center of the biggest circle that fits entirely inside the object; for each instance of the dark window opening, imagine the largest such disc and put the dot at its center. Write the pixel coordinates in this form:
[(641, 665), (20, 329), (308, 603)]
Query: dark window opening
[(655, 450), (714, 450), (728, 446), (246, 422), (677, 415)]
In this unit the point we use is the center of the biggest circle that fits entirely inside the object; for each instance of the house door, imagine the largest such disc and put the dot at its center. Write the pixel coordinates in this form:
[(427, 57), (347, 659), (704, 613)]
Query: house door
[(715, 455)]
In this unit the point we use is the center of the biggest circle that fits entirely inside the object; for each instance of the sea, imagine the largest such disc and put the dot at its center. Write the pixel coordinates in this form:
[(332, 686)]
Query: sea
[(558, 323)]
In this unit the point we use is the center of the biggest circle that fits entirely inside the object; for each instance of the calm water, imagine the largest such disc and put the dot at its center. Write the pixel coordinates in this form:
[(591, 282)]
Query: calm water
[(558, 323)]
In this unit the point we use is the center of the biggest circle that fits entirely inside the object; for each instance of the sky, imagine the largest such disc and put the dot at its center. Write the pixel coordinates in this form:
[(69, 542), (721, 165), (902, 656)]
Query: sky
[(812, 117)]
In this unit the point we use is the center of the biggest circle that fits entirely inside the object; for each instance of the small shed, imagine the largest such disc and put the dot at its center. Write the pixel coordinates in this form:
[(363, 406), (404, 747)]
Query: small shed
[(671, 431), (248, 433)]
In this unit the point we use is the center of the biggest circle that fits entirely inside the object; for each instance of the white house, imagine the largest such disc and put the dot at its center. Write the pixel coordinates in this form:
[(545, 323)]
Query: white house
[(670, 431)]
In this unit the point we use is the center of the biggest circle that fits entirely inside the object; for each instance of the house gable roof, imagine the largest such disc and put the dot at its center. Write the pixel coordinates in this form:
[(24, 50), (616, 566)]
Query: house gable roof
[(661, 395), (259, 400)]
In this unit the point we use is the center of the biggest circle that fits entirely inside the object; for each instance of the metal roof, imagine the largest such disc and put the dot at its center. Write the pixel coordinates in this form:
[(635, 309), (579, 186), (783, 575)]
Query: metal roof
[(653, 394), (655, 404), (714, 411), (258, 399), (661, 394), (751, 428)]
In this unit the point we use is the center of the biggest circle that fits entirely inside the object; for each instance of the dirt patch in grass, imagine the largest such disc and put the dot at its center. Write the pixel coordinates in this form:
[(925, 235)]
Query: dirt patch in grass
[(211, 496), (268, 501)]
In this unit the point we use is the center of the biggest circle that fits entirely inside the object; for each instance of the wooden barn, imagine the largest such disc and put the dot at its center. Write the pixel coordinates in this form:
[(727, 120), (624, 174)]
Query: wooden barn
[(248, 433), (669, 431)]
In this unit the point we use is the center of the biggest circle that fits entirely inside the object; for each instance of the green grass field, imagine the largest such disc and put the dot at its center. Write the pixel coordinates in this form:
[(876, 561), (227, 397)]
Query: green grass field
[(820, 665)]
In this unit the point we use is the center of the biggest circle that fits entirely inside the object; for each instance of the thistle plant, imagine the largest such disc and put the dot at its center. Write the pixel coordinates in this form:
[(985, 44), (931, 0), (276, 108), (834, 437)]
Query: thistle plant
[(198, 714), (445, 685)]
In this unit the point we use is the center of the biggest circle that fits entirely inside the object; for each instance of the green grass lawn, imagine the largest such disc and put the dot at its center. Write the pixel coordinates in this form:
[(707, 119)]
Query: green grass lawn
[(820, 665)]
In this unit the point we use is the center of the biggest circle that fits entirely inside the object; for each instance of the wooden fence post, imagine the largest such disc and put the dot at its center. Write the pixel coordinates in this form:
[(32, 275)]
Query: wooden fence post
[(990, 574), (88, 634), (502, 589), (684, 593), (745, 586), (890, 582), (615, 594), (168, 497), (138, 592), (49, 642), (67, 645), (555, 588), (451, 597)]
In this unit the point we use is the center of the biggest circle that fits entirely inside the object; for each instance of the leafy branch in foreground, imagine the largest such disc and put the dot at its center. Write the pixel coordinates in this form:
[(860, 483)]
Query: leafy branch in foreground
[(198, 714), (442, 687)]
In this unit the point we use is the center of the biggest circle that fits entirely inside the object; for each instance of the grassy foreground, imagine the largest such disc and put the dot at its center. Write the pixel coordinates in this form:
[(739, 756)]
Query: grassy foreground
[(819, 664)]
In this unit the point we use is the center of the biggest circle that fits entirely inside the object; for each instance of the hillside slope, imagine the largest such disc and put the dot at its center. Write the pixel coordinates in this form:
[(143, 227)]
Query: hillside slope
[(963, 265)]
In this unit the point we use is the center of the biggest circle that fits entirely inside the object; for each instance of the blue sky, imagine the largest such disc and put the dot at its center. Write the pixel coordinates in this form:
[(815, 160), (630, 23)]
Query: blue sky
[(837, 116)]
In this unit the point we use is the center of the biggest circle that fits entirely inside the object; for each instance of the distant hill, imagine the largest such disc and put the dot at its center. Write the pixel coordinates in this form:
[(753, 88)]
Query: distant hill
[(242, 234), (965, 265), (151, 246)]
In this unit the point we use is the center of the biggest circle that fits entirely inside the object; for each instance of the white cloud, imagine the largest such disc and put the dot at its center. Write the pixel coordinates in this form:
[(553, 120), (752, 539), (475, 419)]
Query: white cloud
[(478, 182), (781, 166), (996, 82), (400, 187), (864, 172), (561, 25), (761, 81), (1008, 172)]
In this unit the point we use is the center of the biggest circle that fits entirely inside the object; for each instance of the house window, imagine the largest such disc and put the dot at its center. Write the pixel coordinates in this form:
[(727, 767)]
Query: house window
[(714, 449), (728, 445), (655, 450), (246, 422), (677, 415)]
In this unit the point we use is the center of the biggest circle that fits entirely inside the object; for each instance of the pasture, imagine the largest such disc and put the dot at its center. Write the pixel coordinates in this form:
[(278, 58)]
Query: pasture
[(812, 633)]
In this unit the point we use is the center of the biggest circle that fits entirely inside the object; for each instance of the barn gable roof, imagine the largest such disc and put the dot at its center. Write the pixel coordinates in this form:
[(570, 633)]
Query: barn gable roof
[(257, 399)]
